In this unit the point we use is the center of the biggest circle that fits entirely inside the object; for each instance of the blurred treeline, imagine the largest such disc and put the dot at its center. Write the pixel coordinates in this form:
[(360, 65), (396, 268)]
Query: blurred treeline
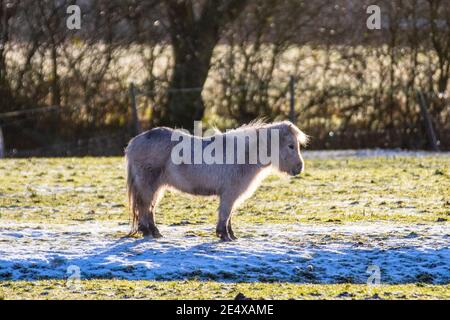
[(226, 62)]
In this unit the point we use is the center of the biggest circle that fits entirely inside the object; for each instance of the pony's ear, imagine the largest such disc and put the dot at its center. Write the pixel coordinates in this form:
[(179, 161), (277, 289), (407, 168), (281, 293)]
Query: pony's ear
[(288, 128), (288, 123), (303, 138)]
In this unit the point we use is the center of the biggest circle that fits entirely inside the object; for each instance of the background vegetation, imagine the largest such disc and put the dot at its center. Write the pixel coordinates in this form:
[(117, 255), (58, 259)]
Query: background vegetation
[(225, 62)]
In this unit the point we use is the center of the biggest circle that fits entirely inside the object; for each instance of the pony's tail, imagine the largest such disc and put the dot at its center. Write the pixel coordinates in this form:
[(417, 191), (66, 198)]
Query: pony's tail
[(133, 198)]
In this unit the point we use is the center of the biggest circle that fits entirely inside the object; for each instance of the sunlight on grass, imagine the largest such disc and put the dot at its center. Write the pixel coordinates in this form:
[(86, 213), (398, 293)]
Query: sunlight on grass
[(397, 190), (192, 289)]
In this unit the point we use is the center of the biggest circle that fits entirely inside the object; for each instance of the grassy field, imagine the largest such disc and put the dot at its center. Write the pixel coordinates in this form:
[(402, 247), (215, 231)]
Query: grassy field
[(192, 289), (408, 192)]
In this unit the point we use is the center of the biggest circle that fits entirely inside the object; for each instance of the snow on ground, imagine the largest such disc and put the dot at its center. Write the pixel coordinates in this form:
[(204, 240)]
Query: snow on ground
[(309, 253), (367, 153)]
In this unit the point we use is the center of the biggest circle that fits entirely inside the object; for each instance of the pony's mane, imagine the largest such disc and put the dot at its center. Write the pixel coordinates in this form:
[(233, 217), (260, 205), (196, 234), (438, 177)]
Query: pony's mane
[(284, 125), (254, 124)]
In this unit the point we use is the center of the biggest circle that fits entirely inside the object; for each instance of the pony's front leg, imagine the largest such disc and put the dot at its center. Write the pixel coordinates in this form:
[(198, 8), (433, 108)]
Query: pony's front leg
[(224, 225)]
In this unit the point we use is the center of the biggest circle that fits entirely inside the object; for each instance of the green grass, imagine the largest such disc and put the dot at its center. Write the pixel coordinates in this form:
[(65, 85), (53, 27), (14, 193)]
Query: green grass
[(400, 190), (123, 289)]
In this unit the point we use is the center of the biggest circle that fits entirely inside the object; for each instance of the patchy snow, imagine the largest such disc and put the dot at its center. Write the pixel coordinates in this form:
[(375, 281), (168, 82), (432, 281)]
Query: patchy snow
[(320, 253), (367, 153), (57, 189)]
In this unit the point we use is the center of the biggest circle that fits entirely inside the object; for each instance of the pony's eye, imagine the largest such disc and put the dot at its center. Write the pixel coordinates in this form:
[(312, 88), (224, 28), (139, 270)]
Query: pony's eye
[(291, 146)]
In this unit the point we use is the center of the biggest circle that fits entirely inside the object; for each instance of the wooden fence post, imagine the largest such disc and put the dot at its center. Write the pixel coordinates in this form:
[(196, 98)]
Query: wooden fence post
[(136, 126), (292, 116), (2, 145), (428, 123)]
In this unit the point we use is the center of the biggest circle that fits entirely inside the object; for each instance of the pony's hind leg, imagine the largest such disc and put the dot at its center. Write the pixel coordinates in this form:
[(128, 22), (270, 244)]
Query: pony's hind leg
[(157, 194), (143, 217), (151, 192), (223, 229), (147, 223)]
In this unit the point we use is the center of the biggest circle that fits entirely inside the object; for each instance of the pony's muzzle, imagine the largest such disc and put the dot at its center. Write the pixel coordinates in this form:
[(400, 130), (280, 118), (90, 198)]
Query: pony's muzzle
[(297, 170)]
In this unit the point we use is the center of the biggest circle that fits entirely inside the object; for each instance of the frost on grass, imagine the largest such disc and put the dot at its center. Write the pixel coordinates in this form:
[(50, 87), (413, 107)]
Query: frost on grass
[(393, 207), (311, 253), (370, 153)]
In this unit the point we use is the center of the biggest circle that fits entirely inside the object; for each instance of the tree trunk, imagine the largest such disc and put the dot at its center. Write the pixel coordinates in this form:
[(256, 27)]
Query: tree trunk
[(2, 145), (184, 97), (56, 93), (194, 33)]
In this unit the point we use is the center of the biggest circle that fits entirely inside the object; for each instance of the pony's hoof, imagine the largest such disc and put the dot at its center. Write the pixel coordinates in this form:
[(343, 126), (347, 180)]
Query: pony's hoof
[(225, 238), (151, 236), (156, 234), (231, 234), (144, 230)]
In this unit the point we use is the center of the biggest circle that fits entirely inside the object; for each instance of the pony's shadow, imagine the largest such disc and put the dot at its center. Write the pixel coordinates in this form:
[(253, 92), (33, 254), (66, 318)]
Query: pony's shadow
[(130, 258)]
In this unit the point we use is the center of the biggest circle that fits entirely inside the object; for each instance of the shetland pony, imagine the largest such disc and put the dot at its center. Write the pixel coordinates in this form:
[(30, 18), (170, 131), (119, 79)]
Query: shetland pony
[(153, 167)]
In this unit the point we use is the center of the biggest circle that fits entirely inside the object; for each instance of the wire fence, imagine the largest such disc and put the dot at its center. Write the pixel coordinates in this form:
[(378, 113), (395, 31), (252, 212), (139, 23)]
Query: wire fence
[(17, 113), (20, 120), (134, 91), (104, 145), (100, 145), (114, 142)]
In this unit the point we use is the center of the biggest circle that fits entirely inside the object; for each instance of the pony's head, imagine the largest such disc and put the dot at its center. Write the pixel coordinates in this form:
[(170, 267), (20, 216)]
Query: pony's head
[(291, 139)]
